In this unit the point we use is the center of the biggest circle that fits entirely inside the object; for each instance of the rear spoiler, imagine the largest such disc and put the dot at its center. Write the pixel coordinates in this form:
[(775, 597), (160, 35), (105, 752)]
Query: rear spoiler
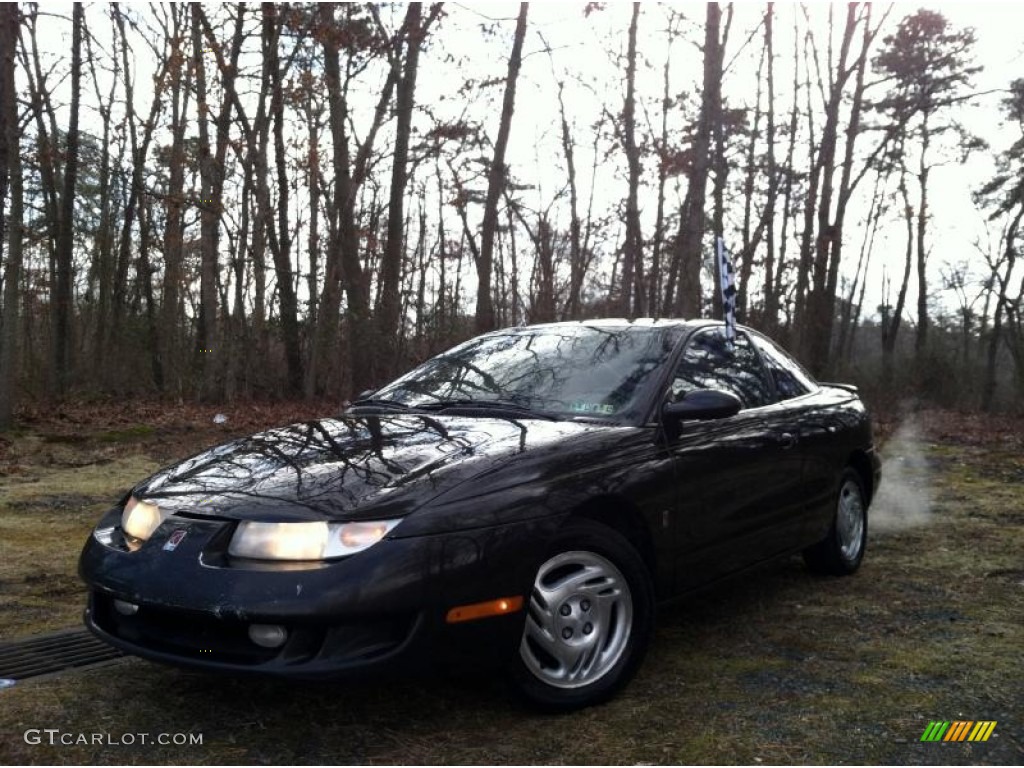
[(848, 387)]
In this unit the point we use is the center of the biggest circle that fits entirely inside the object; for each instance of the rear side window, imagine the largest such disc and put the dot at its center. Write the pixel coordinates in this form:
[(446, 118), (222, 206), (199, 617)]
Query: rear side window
[(790, 379), (709, 363)]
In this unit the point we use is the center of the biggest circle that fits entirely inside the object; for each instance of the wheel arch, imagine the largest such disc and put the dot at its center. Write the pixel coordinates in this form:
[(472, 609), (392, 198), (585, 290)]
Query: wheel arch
[(619, 514), (861, 464)]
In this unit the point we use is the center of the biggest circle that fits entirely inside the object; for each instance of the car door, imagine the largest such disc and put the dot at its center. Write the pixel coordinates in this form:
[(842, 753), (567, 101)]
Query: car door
[(736, 477), (799, 417)]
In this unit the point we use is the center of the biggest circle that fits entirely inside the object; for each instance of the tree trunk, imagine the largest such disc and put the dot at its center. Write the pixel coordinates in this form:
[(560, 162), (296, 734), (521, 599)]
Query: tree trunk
[(209, 214), (103, 245), (262, 217), (139, 154), (688, 254), (815, 323), (770, 309), (850, 316), (236, 323), (576, 265), (343, 267), (62, 295), (46, 144), (847, 184), (654, 282), (496, 179), (388, 311), (891, 329), (10, 179), (542, 282), (805, 260), (1000, 287), (145, 278), (170, 318), (988, 387), (631, 296), (9, 140), (421, 282), (788, 207), (280, 242), (745, 266), (313, 242), (921, 337), (721, 170)]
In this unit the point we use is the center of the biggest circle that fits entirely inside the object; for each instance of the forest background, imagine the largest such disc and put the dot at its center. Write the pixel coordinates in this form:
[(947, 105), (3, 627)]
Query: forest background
[(232, 202)]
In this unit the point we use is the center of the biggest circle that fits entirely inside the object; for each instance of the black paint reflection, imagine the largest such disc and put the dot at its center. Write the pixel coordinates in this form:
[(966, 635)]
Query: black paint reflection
[(564, 370), (353, 467), (708, 362)]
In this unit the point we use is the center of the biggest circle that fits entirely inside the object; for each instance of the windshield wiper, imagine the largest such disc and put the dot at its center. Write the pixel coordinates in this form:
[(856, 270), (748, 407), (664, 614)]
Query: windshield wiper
[(380, 403), (496, 405)]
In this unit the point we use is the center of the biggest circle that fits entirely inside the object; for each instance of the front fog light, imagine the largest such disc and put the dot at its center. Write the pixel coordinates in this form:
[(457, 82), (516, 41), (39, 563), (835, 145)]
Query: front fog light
[(268, 635), (125, 608), (140, 518)]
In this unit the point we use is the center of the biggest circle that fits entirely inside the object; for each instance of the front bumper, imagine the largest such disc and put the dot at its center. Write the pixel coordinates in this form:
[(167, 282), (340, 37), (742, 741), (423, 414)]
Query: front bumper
[(382, 609)]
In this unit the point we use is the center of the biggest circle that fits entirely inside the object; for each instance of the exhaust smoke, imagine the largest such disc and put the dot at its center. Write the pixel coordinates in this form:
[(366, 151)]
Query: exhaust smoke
[(905, 496)]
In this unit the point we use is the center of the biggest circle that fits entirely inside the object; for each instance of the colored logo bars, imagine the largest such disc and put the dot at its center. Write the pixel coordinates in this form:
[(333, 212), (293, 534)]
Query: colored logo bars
[(959, 730)]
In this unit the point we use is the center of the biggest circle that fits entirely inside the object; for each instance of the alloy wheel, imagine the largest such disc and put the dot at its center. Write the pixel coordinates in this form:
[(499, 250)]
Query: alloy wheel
[(850, 520), (578, 622)]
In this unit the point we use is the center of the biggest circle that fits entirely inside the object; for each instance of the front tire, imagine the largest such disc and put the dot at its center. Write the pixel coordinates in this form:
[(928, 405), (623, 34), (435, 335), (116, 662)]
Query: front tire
[(841, 551), (589, 620)]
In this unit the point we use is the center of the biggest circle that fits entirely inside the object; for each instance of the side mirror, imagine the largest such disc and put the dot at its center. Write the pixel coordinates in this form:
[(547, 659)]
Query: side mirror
[(366, 393), (702, 404)]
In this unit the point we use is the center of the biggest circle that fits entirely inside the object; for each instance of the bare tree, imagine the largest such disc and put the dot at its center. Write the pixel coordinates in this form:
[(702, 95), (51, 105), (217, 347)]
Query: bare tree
[(892, 317), (343, 267), (206, 332), (10, 180), (139, 151), (632, 294), (63, 290), (388, 311), (496, 178), (103, 267), (688, 251), (280, 239), (821, 253), (174, 205), (929, 65)]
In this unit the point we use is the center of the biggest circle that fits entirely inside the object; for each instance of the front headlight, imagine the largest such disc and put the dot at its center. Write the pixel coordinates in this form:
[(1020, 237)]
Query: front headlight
[(140, 518), (305, 541)]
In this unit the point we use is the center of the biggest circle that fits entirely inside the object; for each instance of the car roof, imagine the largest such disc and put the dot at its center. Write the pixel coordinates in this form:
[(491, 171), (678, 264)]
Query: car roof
[(622, 322)]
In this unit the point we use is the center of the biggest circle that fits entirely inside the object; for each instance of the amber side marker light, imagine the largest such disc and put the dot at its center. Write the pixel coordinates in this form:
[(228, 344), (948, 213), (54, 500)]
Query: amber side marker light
[(498, 607)]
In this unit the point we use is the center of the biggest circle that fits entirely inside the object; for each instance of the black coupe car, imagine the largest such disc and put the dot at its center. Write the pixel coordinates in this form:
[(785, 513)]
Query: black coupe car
[(524, 499)]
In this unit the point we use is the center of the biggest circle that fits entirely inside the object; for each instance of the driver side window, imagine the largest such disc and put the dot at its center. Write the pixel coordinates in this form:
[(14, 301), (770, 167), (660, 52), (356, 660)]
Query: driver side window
[(709, 363)]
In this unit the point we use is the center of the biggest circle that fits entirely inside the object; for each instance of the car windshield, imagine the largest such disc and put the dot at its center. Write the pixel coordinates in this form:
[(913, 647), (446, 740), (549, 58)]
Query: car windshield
[(580, 370)]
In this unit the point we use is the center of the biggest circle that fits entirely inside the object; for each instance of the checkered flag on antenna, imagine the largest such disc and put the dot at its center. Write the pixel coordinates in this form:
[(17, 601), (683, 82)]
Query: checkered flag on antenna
[(728, 286)]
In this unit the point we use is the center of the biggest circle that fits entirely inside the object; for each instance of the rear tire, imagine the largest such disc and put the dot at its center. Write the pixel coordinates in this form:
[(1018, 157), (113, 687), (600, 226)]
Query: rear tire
[(589, 620), (841, 551)]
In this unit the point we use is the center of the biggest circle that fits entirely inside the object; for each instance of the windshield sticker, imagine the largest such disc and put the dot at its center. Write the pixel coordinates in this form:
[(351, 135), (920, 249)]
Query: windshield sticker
[(593, 408)]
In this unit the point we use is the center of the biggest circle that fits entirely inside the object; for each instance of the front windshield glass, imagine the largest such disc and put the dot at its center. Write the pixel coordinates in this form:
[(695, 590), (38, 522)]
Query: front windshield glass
[(560, 370)]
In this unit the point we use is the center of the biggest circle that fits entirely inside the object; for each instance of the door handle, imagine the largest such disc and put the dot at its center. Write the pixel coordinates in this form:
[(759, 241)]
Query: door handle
[(787, 440)]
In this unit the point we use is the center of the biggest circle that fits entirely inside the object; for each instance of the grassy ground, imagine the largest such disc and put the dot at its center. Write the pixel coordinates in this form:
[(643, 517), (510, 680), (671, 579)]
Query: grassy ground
[(781, 667)]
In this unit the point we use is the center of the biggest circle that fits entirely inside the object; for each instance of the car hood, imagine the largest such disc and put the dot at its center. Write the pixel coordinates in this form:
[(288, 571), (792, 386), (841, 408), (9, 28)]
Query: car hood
[(349, 468)]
